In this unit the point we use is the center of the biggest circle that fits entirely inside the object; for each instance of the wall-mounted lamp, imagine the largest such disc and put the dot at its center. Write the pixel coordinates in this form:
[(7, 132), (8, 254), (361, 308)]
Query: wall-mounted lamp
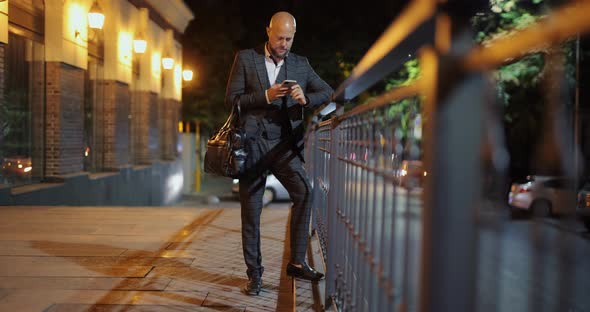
[(139, 44), (187, 75), (95, 16), (167, 62)]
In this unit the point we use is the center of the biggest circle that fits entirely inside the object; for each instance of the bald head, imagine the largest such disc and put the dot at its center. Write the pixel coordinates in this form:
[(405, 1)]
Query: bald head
[(283, 19), (280, 31)]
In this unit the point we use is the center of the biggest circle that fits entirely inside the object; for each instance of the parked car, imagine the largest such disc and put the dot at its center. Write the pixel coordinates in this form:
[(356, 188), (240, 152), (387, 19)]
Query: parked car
[(541, 195), (16, 168), (273, 190), (584, 204)]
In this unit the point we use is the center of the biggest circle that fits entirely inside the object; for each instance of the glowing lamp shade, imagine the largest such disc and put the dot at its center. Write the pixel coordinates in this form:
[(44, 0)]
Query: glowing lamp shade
[(139, 45), (95, 17), (167, 62), (187, 75)]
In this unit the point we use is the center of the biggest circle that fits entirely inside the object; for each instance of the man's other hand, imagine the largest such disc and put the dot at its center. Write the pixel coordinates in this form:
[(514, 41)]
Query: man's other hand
[(297, 94)]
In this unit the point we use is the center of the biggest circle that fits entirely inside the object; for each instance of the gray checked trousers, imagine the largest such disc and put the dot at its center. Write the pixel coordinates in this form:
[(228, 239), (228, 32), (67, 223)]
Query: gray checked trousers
[(278, 157)]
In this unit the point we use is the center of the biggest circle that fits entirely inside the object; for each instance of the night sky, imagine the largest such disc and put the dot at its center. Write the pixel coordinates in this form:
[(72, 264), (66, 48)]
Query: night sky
[(314, 18), (329, 34), (323, 28)]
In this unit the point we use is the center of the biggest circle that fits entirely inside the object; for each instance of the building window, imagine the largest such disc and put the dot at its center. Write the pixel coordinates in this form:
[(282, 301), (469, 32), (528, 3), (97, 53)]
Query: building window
[(21, 112), (94, 122), (135, 119)]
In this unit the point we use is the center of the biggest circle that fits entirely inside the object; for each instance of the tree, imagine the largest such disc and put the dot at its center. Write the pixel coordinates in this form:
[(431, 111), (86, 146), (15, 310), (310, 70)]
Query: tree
[(521, 83)]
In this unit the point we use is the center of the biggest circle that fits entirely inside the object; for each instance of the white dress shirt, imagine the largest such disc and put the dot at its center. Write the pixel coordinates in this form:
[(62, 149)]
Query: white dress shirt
[(272, 69)]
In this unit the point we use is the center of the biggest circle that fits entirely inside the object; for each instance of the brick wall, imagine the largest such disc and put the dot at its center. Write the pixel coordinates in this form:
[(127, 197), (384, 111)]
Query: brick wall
[(140, 130), (176, 112), (98, 148), (163, 126), (64, 93), (154, 129), (116, 124), (72, 119), (169, 127), (122, 124), (52, 118), (144, 131)]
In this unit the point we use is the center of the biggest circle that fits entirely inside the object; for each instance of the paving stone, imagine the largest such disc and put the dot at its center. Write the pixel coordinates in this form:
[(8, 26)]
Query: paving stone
[(140, 259), (136, 308), (97, 261), (86, 283), (107, 297)]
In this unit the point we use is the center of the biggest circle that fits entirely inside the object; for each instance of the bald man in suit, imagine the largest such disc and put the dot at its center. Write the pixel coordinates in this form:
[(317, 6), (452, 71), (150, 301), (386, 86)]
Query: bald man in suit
[(272, 117)]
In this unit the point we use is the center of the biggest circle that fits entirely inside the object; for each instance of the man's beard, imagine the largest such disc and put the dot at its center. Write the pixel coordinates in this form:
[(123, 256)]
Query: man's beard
[(276, 55)]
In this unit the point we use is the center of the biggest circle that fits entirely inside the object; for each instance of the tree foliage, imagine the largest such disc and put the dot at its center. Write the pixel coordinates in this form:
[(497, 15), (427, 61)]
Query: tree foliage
[(408, 109), (521, 84)]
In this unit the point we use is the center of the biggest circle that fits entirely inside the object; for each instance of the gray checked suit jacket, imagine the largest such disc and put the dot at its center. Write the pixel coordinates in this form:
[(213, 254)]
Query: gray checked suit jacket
[(248, 81)]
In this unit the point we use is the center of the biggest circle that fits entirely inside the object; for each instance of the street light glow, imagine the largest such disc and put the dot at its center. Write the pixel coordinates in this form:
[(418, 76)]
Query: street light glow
[(187, 75), (139, 45), (167, 62), (95, 17)]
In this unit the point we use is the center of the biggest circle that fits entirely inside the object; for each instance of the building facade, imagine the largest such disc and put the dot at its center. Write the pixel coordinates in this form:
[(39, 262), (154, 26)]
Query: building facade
[(86, 117)]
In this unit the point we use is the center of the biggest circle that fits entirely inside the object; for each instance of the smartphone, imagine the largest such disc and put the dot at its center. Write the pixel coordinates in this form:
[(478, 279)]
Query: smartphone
[(288, 83)]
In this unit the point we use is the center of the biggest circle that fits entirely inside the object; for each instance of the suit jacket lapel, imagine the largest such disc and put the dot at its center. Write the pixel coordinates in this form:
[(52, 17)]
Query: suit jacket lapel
[(288, 71), (289, 66), (261, 68)]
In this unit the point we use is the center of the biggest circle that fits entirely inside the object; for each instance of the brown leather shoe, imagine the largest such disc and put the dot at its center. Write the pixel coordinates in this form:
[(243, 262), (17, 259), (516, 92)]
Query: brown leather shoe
[(304, 272), (253, 287)]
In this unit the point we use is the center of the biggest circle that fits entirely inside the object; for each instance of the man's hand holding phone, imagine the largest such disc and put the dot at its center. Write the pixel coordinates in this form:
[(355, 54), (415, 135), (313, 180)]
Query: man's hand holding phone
[(278, 91), (295, 91), (287, 87)]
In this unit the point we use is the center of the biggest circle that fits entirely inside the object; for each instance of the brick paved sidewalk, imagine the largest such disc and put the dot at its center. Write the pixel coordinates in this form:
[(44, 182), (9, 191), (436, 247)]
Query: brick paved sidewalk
[(140, 259)]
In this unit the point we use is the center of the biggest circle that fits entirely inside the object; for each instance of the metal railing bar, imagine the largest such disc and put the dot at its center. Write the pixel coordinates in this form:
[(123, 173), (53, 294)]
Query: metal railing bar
[(393, 95), (356, 154), (347, 216), (363, 248), (387, 264), (325, 125), (374, 255), (384, 144), (355, 220), (388, 177), (563, 23), (404, 36)]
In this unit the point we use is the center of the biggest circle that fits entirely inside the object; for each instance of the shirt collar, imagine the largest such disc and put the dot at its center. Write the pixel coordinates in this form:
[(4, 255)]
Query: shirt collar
[(268, 56)]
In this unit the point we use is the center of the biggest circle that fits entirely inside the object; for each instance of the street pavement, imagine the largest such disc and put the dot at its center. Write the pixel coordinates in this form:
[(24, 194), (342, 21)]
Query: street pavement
[(187, 257), (212, 189)]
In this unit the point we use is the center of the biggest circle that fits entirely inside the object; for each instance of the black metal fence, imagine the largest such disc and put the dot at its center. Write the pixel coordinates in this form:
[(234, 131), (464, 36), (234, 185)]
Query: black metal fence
[(411, 208)]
